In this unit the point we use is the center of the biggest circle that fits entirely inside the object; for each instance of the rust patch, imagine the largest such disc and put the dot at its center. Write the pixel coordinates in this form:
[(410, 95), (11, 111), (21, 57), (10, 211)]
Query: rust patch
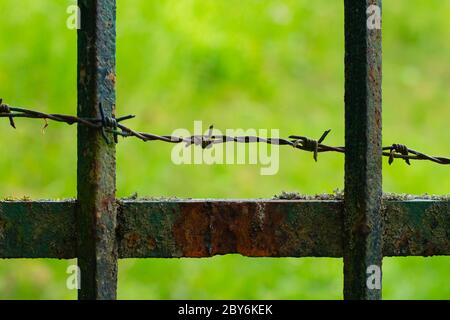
[(254, 229), (132, 240), (242, 228), (111, 77), (191, 230), (151, 243), (82, 74)]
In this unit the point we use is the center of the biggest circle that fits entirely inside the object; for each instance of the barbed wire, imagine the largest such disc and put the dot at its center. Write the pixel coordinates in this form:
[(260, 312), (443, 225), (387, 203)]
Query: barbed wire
[(114, 125)]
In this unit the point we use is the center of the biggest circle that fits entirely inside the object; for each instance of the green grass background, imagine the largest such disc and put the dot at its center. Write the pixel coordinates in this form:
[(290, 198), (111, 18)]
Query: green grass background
[(236, 64)]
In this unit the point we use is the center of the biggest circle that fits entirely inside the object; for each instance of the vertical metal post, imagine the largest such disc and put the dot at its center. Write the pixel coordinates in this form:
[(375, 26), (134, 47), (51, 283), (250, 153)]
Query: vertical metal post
[(96, 216), (363, 176)]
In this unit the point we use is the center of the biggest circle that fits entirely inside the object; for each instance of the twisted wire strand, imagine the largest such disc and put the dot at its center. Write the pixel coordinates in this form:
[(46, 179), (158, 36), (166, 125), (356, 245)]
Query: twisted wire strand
[(114, 126)]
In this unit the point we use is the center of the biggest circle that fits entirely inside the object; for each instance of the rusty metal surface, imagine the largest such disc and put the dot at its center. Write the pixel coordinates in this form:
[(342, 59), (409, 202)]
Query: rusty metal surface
[(272, 228), (251, 228), (363, 187), (37, 230), (198, 228), (97, 214), (416, 228)]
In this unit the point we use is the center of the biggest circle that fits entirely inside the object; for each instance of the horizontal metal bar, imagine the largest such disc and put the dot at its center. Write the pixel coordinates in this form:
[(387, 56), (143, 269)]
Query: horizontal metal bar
[(38, 230), (416, 228), (203, 228), (252, 228)]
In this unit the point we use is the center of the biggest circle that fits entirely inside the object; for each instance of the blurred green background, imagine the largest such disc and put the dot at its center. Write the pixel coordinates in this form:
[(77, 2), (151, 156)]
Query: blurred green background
[(236, 64)]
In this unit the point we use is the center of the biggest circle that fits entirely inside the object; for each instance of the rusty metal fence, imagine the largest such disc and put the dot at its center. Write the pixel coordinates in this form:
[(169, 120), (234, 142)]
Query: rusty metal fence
[(98, 229)]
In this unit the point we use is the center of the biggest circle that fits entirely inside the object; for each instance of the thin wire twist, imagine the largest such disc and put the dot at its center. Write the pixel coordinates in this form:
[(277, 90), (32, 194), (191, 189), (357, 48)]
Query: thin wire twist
[(113, 125)]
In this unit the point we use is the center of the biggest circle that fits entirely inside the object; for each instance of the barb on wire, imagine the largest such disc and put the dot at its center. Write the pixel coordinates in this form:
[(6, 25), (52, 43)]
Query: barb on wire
[(104, 123), (7, 111), (114, 125), (310, 144), (402, 152)]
